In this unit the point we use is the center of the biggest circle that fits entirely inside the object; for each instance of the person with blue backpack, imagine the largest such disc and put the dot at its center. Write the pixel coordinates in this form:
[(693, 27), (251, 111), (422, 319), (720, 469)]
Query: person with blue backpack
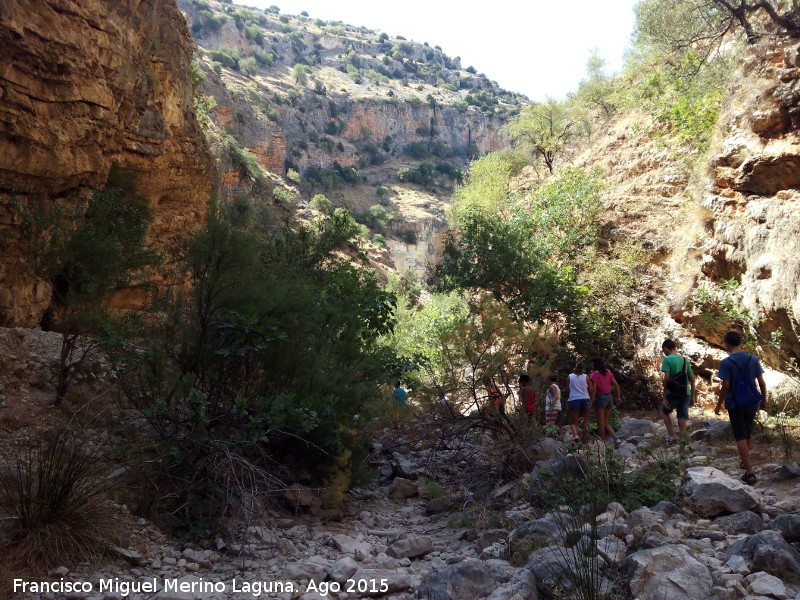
[(742, 400)]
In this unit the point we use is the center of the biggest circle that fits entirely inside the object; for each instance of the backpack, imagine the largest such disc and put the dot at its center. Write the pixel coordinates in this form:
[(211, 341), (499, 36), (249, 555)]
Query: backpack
[(745, 394), (677, 385)]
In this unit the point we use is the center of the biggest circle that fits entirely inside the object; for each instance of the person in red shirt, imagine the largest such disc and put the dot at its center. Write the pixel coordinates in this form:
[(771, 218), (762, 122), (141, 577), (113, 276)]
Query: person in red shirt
[(527, 397)]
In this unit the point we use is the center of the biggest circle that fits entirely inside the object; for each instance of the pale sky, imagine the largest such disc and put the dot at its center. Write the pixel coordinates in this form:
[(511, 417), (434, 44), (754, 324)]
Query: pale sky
[(538, 48)]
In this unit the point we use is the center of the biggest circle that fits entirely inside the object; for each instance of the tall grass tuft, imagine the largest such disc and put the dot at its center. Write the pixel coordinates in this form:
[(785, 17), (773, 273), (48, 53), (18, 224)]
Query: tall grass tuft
[(53, 505)]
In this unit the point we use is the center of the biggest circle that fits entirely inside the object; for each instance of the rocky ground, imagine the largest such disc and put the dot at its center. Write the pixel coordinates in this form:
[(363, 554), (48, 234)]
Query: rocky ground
[(405, 536)]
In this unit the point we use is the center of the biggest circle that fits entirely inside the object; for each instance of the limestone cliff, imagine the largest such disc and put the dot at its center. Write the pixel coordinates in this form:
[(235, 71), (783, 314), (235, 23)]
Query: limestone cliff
[(86, 84), (309, 95)]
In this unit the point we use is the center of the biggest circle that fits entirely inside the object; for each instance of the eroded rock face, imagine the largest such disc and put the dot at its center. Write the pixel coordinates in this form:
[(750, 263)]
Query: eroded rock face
[(755, 195), (87, 84)]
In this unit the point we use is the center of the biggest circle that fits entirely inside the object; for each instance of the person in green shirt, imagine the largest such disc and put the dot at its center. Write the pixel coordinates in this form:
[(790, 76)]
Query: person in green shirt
[(679, 390)]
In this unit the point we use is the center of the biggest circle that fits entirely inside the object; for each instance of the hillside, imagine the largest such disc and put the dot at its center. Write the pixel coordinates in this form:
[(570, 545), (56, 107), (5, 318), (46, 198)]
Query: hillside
[(198, 399), (345, 109)]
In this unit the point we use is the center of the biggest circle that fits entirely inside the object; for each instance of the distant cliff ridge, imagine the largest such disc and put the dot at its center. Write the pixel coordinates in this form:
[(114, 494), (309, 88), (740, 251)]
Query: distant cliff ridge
[(87, 84)]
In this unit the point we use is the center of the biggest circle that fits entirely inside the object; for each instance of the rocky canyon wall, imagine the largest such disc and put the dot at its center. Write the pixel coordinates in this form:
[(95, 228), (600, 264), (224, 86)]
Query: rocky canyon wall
[(86, 84)]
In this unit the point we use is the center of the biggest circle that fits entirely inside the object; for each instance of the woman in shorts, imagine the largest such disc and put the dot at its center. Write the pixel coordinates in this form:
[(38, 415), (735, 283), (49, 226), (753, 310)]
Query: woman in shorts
[(579, 390), (604, 381)]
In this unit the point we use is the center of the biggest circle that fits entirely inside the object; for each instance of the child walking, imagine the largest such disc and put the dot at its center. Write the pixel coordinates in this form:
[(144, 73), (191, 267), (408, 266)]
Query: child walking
[(552, 401)]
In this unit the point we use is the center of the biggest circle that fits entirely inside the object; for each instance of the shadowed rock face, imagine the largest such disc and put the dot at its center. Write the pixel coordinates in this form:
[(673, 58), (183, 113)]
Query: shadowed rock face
[(86, 84)]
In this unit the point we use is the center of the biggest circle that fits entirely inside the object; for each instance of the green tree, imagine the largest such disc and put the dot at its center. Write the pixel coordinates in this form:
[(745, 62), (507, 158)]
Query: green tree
[(271, 353), (300, 73), (488, 184), (248, 65), (548, 129), (86, 253)]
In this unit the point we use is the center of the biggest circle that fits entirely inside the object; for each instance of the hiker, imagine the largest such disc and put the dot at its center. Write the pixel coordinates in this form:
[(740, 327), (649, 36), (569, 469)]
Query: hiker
[(552, 401), (603, 402), (579, 391), (742, 400), (527, 397), (399, 395), (679, 390), (497, 407)]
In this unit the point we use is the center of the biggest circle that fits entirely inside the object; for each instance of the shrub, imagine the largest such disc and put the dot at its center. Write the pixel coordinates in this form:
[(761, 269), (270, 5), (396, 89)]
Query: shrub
[(248, 65), (379, 240), (284, 196), (269, 356), (321, 203), (226, 56), (245, 159), (54, 504)]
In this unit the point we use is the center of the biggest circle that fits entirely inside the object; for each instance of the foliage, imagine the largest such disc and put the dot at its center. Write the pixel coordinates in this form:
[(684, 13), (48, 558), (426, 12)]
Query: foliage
[(271, 352), (248, 65), (227, 57), (330, 179), (246, 160), (54, 505), (300, 73), (606, 481), (423, 175), (703, 24), (321, 203), (488, 184), (548, 130), (86, 252)]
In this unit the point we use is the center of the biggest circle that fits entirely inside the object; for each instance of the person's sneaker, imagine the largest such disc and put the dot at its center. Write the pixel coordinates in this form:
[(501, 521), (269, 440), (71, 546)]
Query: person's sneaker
[(671, 442), (576, 439), (617, 443), (749, 478)]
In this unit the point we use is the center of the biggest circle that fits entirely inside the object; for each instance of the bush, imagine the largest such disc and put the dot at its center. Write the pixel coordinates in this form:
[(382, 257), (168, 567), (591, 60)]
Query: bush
[(227, 57), (245, 159), (54, 505), (321, 203), (270, 356), (248, 66), (379, 240)]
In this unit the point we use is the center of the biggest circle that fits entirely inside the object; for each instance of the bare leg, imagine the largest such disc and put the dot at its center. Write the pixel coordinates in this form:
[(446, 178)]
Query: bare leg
[(585, 424), (668, 423), (609, 428), (573, 421), (744, 453), (599, 414), (683, 430)]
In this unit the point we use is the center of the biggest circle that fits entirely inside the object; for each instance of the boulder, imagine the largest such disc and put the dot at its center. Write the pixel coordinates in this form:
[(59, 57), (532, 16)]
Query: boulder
[(546, 449), (718, 429), (788, 526), (370, 580), (553, 528), (402, 466), (438, 505), (768, 551), (411, 547), (298, 497), (487, 538), (559, 571), (789, 471), (472, 578), (743, 522), (347, 545), (305, 571), (764, 584), (343, 569), (713, 492), (669, 509), (402, 488), (635, 428), (613, 550), (668, 573)]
